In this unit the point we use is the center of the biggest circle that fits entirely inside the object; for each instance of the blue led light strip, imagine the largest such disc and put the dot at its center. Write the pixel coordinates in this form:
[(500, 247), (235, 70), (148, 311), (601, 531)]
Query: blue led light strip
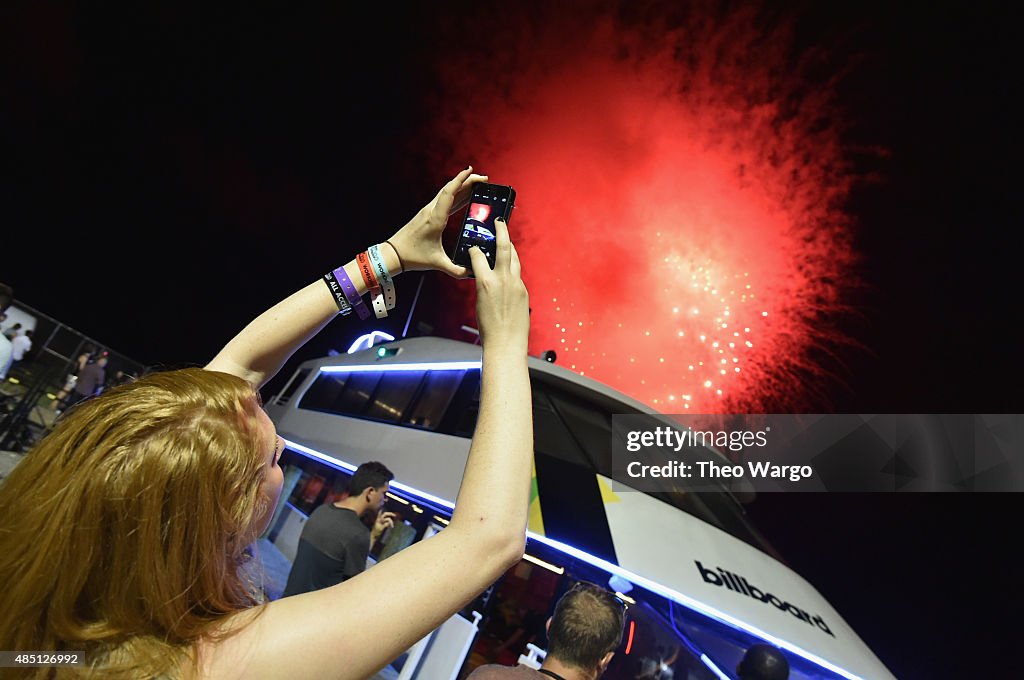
[(713, 667), (687, 601), (646, 583), (348, 467), (437, 366)]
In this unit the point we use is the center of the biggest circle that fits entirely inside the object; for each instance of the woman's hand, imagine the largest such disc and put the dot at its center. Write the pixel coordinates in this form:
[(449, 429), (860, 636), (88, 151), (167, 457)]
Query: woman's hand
[(502, 301), (418, 243)]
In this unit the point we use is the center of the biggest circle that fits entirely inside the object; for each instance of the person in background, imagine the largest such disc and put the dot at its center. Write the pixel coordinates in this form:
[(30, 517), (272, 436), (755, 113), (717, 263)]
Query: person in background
[(583, 634), (20, 345), (6, 356), (125, 530), (91, 380), (336, 540), (69, 383), (120, 378), (763, 662)]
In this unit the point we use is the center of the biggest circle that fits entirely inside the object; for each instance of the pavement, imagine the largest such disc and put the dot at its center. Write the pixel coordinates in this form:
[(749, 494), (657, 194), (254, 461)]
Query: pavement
[(8, 459)]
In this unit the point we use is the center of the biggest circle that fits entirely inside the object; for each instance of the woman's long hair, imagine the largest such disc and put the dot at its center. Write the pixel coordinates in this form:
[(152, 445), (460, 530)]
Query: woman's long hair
[(122, 532)]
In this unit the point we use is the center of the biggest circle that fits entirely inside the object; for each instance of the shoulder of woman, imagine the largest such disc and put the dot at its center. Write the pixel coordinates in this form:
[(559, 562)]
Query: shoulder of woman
[(228, 650)]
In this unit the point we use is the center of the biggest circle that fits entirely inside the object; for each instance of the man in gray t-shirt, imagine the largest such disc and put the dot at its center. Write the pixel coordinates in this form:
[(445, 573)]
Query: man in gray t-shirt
[(336, 540)]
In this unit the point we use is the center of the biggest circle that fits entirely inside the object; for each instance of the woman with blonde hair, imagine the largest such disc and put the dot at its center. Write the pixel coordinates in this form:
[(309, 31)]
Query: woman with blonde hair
[(123, 533)]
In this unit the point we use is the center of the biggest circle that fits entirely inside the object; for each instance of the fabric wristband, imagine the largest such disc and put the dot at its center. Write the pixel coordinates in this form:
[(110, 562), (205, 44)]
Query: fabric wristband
[(344, 307), (370, 279), (351, 293), (383, 275)]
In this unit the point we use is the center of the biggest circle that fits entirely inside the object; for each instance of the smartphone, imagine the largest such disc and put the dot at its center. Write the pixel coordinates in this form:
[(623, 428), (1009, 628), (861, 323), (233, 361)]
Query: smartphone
[(487, 203)]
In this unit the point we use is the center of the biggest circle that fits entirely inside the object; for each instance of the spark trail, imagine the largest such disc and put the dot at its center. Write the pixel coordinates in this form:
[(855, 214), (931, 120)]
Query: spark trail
[(679, 202)]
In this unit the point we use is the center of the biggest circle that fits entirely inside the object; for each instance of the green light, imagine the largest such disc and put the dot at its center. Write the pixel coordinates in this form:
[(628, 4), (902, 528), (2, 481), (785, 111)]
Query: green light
[(382, 352)]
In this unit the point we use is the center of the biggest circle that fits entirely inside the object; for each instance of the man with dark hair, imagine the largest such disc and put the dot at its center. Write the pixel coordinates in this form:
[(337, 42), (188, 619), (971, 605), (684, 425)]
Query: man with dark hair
[(336, 538), (583, 634), (763, 662)]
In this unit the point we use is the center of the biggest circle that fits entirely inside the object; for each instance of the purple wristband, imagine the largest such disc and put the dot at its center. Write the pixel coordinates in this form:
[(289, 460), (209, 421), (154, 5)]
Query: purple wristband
[(351, 293), (340, 298)]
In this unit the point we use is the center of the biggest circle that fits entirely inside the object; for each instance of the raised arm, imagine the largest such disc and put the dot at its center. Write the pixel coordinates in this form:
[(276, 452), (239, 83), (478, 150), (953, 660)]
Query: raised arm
[(259, 351), (353, 629)]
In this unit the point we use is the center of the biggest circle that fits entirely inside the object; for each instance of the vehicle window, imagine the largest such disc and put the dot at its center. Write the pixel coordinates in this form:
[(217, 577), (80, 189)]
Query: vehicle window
[(285, 396), (441, 401), (394, 392), (590, 427), (323, 393), (435, 395), (551, 434), (460, 419)]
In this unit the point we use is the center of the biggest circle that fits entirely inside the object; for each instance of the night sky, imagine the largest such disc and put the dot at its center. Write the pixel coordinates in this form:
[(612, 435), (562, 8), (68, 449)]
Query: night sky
[(169, 173)]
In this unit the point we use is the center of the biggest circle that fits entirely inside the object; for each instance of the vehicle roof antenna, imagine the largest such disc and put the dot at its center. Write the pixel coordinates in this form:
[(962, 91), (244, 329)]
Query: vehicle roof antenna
[(419, 286)]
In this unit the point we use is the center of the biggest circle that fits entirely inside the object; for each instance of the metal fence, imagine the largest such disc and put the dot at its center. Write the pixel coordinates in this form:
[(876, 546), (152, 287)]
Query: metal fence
[(35, 389)]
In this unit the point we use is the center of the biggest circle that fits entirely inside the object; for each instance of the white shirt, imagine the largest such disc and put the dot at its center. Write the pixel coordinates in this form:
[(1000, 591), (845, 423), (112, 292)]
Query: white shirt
[(20, 345), (5, 356)]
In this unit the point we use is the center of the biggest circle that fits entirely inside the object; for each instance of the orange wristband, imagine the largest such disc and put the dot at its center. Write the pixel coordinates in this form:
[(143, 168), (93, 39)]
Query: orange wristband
[(370, 279), (366, 269)]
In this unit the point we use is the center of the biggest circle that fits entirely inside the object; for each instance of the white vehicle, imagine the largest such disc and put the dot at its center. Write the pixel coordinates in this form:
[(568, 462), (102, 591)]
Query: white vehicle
[(700, 583)]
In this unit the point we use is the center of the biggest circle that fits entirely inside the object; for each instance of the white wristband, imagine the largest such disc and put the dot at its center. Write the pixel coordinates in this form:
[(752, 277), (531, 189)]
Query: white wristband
[(387, 284)]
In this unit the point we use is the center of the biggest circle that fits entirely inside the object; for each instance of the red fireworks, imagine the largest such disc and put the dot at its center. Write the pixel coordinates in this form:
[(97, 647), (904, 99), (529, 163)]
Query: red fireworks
[(678, 204)]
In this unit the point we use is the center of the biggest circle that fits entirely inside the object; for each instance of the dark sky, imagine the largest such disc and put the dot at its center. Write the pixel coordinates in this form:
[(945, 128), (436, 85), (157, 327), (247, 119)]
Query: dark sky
[(168, 173)]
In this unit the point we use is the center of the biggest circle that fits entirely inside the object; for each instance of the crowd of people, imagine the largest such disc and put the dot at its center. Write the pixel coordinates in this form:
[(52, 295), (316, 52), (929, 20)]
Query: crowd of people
[(15, 345), (87, 377)]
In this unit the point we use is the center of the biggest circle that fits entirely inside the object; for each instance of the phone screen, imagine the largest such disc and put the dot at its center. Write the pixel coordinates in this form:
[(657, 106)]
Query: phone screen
[(487, 203)]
